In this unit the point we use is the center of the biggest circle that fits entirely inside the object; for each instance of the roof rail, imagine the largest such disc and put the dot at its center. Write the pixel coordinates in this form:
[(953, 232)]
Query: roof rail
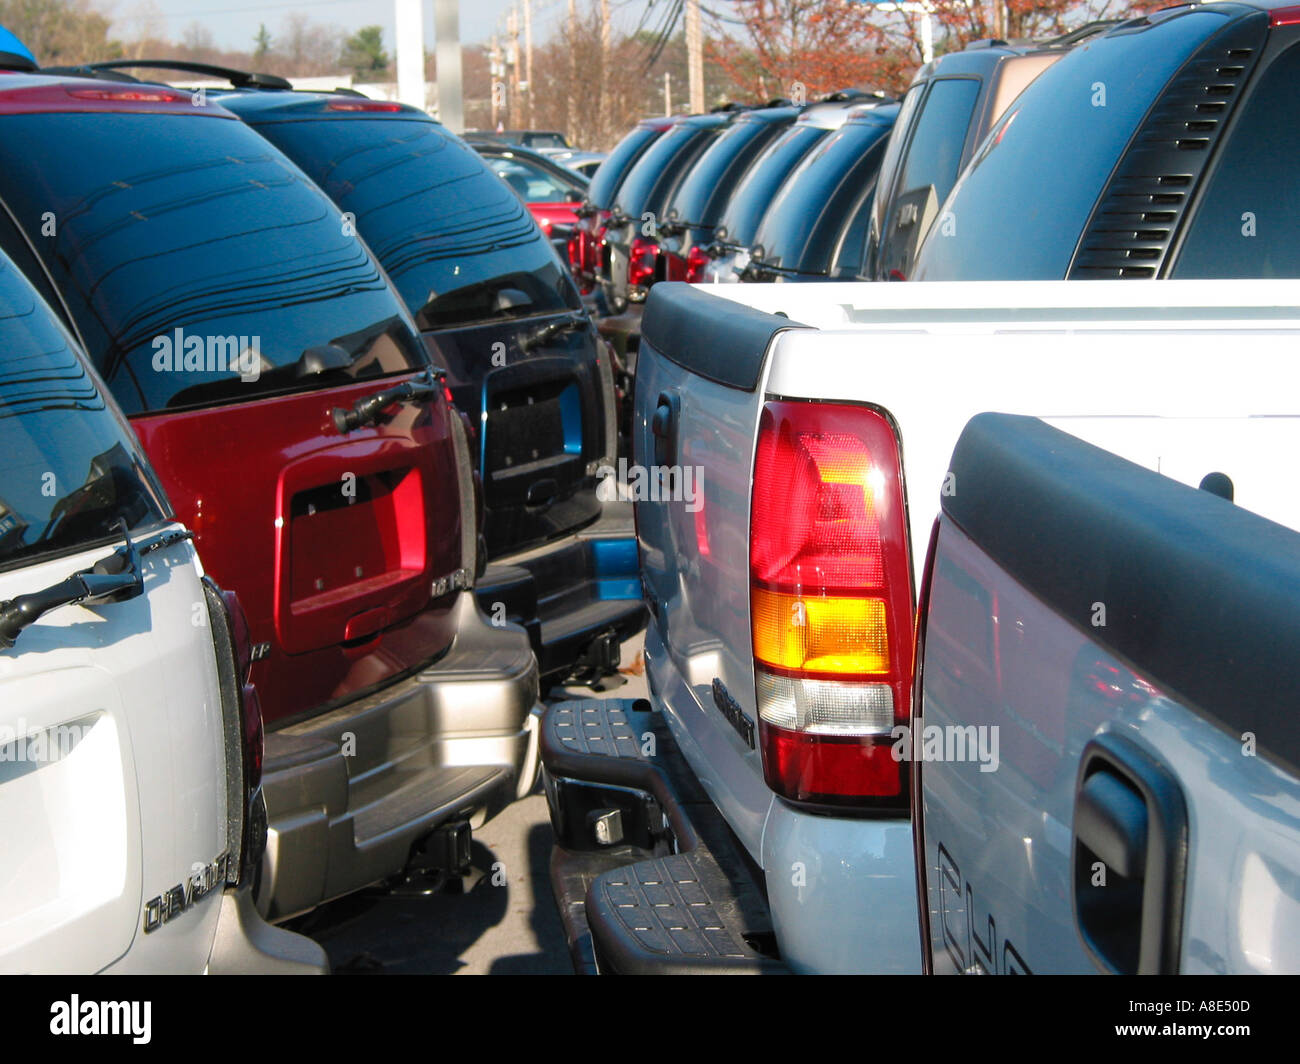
[(240, 79), (849, 95), (1090, 29)]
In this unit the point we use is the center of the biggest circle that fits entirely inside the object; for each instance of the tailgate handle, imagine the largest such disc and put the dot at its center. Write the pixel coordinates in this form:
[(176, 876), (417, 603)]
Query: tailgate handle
[(664, 427), (1129, 856), (541, 493)]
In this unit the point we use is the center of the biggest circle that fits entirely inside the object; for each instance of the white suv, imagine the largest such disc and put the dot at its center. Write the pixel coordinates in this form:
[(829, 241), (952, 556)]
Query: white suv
[(130, 744)]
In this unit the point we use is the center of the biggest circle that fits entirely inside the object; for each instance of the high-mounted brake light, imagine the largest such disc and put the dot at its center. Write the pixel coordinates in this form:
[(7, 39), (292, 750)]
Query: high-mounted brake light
[(363, 105), (130, 95), (830, 604), (642, 260), (697, 261)]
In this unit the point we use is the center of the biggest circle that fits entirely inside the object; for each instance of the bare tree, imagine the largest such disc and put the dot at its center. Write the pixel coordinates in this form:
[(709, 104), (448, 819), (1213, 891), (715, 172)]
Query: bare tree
[(60, 31)]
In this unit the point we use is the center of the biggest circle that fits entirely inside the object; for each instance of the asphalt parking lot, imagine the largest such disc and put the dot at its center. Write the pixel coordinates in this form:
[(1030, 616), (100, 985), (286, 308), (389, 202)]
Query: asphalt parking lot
[(502, 920)]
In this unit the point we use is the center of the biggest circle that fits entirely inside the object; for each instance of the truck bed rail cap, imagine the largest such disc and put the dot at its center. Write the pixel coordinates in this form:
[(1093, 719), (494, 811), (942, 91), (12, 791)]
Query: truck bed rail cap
[(714, 338), (1200, 594)]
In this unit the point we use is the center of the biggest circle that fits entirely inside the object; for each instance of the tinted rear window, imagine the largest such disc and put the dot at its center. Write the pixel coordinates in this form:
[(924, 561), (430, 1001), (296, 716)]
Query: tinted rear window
[(198, 263), (1248, 223), (801, 227), (754, 193), (532, 183), (605, 182), (929, 171), (1020, 207), (655, 173), (703, 192), (72, 467), (459, 245)]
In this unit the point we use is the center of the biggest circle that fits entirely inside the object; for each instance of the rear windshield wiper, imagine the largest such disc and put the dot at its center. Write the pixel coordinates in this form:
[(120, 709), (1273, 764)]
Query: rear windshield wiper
[(367, 411), (114, 579), (545, 333)]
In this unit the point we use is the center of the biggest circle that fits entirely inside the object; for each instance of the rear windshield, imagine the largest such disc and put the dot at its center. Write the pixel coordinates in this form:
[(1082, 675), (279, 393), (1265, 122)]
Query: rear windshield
[(745, 210), (803, 224), (72, 466), (1248, 221), (703, 193), (543, 140), (533, 183), (929, 171), (457, 242), (658, 169), (1022, 203), (605, 181), (206, 269)]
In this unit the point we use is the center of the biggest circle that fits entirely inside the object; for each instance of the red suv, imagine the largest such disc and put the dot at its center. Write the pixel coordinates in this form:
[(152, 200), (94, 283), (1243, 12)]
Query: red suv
[(287, 403)]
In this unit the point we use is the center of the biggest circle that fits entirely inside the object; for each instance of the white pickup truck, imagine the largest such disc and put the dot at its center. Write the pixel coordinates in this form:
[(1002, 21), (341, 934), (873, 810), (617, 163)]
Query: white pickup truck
[(792, 447)]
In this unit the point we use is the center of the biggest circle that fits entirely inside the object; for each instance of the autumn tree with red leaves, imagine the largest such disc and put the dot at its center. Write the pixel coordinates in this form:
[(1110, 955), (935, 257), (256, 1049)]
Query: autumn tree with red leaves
[(789, 47)]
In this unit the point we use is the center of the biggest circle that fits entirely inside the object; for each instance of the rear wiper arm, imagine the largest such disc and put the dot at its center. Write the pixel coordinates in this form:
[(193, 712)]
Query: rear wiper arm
[(549, 331), (115, 579), (367, 411)]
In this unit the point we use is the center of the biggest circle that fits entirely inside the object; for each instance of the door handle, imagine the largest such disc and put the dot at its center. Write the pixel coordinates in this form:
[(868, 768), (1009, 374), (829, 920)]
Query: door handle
[(1110, 819), (1129, 857)]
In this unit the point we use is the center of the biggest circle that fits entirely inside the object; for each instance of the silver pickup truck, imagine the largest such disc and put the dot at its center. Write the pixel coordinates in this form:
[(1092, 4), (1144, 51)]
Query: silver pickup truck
[(792, 446), (1126, 648)]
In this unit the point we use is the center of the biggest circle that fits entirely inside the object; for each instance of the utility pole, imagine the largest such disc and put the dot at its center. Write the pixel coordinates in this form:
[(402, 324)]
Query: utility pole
[(668, 93), (409, 24), (512, 57), (571, 99), (695, 55), (451, 93), (604, 67), (497, 70), (528, 56)]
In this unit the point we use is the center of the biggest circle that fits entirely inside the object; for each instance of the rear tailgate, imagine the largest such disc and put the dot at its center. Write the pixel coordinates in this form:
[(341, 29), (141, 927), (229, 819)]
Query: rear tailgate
[(704, 368), (1121, 652)]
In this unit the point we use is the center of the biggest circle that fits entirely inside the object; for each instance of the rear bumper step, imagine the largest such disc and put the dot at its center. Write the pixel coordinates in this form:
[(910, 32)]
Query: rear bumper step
[(353, 795), (646, 874), (574, 596)]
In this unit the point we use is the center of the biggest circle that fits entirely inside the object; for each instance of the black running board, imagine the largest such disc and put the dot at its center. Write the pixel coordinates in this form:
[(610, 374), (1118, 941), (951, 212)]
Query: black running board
[(647, 875)]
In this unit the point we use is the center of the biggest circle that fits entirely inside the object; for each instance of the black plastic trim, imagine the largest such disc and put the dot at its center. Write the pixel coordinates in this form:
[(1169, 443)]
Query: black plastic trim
[(1146, 199), (713, 338), (1200, 594)]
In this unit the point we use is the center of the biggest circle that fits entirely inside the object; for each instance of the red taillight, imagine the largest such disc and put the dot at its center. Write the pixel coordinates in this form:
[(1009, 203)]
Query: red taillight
[(830, 604), (674, 267), (642, 260), (362, 105), (1284, 16), (583, 255), (697, 261)]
